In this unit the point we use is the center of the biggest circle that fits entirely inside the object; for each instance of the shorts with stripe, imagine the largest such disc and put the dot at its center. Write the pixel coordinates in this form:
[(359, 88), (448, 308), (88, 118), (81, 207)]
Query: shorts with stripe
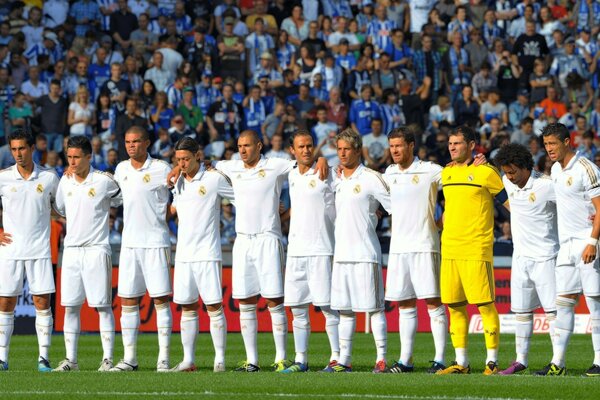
[(40, 277), (142, 269), (532, 284), (199, 278), (86, 274), (470, 281), (308, 281), (412, 276), (357, 286), (573, 276), (257, 266)]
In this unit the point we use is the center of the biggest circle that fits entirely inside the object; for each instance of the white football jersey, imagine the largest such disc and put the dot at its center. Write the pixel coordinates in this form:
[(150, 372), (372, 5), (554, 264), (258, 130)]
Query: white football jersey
[(145, 199), (198, 204), (357, 198), (257, 191), (86, 206), (575, 187), (313, 214), (533, 217), (414, 195), (26, 207)]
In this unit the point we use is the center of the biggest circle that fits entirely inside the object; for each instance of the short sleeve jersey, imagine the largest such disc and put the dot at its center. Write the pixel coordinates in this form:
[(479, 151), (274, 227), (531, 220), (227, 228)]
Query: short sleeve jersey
[(26, 207), (469, 192)]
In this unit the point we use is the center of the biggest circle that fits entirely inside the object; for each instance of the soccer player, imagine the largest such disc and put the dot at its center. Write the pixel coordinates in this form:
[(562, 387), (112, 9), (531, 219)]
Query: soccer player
[(357, 280), (145, 249), (197, 202), (27, 191), (310, 250), (577, 187), (535, 240), (467, 274), (85, 196), (414, 256)]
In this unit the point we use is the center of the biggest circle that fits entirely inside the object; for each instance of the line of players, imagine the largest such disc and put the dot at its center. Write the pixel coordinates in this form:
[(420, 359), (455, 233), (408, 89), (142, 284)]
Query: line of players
[(326, 209)]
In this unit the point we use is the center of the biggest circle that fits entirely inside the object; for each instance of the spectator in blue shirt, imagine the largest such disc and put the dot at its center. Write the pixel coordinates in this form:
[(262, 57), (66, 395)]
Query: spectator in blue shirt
[(362, 111)]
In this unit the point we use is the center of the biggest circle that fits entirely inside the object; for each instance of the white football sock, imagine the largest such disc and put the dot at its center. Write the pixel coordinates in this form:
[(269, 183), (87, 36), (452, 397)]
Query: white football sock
[(563, 329), (593, 304), (189, 332), (43, 328), (439, 329), (164, 325), (346, 329), (379, 329), (72, 328), (332, 322), (462, 357), (301, 325), (280, 329), (130, 325), (523, 332), (249, 328), (7, 326), (551, 318), (218, 332), (408, 330), (107, 331)]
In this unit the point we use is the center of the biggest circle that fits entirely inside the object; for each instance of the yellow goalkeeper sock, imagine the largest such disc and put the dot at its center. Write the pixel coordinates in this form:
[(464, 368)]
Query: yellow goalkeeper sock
[(491, 325), (459, 326)]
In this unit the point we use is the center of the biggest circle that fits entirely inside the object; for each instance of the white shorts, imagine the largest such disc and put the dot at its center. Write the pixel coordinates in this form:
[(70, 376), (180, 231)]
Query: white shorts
[(308, 280), (532, 285), (86, 273), (141, 269), (357, 286), (573, 276), (412, 276), (38, 272), (200, 278), (257, 267)]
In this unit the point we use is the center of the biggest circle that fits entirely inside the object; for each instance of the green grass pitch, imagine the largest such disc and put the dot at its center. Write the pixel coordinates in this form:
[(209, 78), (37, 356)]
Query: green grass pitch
[(23, 380)]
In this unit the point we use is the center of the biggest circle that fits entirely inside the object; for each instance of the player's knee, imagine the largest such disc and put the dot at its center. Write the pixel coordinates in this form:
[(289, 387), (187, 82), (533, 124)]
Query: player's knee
[(41, 302), (410, 303), (215, 310), (194, 307), (301, 317), (433, 303), (346, 314), (161, 300), (593, 304), (8, 304), (524, 317)]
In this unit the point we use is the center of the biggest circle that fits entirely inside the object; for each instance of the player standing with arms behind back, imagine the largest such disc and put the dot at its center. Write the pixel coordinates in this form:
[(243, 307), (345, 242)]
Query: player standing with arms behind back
[(145, 248), (535, 239), (27, 192), (577, 188), (467, 273)]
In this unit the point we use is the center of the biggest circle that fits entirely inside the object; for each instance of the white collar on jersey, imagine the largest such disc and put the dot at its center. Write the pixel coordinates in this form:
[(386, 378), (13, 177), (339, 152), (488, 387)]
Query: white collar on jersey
[(355, 174), (34, 174)]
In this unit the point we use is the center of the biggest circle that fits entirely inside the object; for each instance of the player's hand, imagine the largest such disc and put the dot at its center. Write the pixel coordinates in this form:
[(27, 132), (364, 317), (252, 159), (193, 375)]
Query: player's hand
[(479, 159), (5, 239), (69, 172), (173, 176), (322, 168), (589, 254)]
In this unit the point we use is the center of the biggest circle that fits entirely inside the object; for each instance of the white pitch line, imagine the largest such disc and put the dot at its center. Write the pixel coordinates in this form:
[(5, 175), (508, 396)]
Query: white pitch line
[(232, 394)]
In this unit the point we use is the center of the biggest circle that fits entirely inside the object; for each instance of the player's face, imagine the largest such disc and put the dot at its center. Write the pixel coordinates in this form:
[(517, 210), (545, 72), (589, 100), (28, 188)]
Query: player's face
[(21, 152), (401, 151), (303, 150), (556, 148), (348, 155), (516, 175), (460, 150), (187, 161), (249, 149), (136, 145), (79, 162)]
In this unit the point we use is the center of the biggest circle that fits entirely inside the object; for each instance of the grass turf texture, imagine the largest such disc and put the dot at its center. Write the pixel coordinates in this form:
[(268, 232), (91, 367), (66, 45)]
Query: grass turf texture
[(23, 380)]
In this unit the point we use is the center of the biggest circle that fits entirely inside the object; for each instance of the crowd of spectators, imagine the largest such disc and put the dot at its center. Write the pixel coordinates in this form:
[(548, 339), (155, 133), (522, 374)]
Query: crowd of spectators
[(209, 69)]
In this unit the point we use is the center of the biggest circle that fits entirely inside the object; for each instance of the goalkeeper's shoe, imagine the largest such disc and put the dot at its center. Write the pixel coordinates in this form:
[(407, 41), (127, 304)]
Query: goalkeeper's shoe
[(124, 366), (66, 366), (281, 365), (105, 365), (491, 368), (245, 366), (399, 368), (515, 368), (163, 366), (454, 368), (435, 367), (552, 370), (295, 367), (184, 367), (44, 365), (3, 366), (593, 371)]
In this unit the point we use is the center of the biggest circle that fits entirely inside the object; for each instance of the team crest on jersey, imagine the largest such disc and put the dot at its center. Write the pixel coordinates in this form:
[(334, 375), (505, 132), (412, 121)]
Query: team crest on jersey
[(262, 173), (13, 189), (92, 192), (415, 179), (146, 178), (202, 191), (570, 181), (532, 197), (69, 194), (356, 189), (470, 178), (312, 183), (39, 188)]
